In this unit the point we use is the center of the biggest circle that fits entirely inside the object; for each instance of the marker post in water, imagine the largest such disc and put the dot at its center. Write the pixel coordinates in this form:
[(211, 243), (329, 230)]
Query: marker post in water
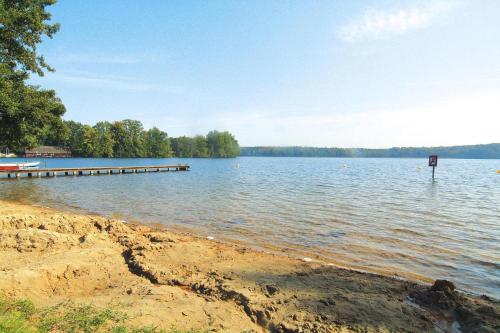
[(433, 162)]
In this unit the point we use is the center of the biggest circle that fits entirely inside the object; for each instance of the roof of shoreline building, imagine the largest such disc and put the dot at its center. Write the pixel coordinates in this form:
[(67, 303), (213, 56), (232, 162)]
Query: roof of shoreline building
[(48, 150)]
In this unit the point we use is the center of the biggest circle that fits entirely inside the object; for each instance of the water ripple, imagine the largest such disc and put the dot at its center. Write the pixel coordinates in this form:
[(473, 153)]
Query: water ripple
[(375, 214)]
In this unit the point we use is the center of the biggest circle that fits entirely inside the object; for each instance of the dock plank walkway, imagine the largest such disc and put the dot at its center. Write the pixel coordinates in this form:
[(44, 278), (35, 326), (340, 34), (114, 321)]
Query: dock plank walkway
[(89, 171)]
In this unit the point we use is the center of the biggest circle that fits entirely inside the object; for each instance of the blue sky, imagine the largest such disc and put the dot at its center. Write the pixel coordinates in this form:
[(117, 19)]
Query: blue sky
[(313, 73)]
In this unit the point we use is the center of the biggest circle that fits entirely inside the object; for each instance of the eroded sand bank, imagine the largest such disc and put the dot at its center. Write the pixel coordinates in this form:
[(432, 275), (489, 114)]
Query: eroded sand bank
[(171, 279)]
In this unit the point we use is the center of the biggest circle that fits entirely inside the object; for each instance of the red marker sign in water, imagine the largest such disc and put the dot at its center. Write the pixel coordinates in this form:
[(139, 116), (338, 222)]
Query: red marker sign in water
[(433, 162)]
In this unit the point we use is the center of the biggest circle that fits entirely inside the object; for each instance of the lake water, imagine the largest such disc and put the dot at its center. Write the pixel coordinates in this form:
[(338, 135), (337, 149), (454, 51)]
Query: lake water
[(379, 215)]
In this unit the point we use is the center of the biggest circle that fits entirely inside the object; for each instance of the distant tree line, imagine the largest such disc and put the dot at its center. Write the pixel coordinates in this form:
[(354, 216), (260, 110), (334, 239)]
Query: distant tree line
[(128, 138), (487, 151)]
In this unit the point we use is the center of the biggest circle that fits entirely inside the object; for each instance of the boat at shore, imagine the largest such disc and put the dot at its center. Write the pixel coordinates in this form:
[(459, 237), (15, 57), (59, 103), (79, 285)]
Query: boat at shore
[(18, 166)]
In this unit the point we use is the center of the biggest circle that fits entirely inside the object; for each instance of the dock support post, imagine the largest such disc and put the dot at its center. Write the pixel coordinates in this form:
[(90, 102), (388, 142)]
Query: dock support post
[(18, 175), (39, 174), (91, 172)]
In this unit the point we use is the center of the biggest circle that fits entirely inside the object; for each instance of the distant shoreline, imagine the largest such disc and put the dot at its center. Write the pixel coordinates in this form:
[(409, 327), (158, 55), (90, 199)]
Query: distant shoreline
[(482, 151)]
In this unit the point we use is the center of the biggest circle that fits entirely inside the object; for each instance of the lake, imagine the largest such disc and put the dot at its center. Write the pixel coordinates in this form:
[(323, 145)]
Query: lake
[(378, 215)]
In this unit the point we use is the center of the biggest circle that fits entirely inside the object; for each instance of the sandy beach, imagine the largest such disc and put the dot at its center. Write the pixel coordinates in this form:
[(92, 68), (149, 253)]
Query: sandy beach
[(167, 279)]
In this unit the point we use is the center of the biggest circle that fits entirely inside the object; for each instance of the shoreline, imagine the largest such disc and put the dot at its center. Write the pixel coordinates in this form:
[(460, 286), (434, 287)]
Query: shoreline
[(290, 250), (167, 278)]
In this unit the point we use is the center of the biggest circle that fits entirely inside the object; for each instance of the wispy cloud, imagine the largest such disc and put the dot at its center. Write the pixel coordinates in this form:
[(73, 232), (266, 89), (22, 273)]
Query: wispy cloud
[(388, 22), (97, 81), (95, 58)]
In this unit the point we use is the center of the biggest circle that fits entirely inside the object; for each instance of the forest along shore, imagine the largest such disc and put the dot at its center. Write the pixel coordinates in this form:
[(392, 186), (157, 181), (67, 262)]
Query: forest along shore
[(170, 279)]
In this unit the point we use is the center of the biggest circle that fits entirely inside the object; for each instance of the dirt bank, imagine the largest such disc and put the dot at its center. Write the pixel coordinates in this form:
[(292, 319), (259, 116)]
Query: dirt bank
[(170, 279)]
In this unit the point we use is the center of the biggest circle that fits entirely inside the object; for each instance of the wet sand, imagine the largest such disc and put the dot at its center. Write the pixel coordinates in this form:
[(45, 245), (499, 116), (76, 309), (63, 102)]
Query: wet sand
[(166, 279)]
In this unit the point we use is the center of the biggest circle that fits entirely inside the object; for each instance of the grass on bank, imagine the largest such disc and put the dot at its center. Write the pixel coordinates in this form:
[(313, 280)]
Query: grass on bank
[(21, 316)]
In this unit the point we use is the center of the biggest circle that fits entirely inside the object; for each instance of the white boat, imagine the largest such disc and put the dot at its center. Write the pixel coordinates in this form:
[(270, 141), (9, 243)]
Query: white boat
[(18, 166)]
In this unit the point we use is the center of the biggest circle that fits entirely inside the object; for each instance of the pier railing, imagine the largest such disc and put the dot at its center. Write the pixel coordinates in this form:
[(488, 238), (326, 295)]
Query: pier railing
[(89, 171)]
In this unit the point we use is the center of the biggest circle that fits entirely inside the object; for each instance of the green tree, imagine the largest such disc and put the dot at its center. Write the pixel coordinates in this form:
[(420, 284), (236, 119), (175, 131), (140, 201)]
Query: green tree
[(222, 144), (28, 114), (119, 134), (82, 139), (184, 146), (201, 146), (105, 139), (157, 143), (89, 142), (23, 24), (128, 137), (56, 134), (74, 134)]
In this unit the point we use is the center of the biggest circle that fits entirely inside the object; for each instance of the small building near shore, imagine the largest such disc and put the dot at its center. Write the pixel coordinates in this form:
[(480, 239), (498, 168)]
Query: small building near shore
[(48, 151)]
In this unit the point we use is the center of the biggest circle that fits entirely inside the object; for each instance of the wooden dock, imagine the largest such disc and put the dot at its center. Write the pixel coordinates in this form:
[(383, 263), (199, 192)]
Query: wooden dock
[(90, 171)]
